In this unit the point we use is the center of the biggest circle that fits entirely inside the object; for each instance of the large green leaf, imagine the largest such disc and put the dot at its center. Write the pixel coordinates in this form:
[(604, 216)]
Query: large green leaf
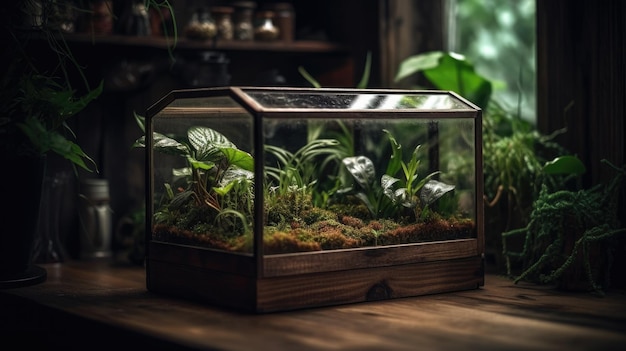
[(207, 142), (200, 136), (433, 190), (50, 140), (449, 71), (418, 63), (239, 158), (362, 169), (230, 177), (565, 165), (168, 145)]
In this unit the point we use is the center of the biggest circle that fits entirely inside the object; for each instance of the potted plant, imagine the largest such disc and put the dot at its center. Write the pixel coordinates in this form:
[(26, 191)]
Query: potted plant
[(35, 106)]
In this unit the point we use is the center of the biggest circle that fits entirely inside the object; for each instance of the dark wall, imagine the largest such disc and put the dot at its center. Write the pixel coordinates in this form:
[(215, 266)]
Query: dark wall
[(581, 69), (582, 78)]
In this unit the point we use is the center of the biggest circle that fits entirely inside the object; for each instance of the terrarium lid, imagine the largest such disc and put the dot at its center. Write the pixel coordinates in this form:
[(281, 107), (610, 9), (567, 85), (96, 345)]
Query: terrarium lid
[(285, 99), (356, 99)]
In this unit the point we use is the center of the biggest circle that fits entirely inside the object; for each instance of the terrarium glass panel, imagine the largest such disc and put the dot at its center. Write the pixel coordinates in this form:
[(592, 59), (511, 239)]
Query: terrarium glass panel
[(350, 183), (202, 174), (329, 180)]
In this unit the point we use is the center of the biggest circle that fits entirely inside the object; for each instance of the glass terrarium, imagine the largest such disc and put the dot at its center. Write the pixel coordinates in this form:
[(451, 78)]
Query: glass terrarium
[(271, 199)]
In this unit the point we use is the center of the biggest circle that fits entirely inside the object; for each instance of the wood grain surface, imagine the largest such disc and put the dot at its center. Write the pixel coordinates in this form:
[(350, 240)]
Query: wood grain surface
[(104, 305)]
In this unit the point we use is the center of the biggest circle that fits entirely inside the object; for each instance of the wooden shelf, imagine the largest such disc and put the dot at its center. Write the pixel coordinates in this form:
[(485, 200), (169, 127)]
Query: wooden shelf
[(298, 46)]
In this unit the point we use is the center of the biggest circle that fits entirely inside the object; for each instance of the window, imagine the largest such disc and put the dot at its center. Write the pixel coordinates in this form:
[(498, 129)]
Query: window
[(498, 37)]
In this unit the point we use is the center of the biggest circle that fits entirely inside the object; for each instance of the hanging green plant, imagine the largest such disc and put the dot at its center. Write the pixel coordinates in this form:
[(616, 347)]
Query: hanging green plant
[(567, 241)]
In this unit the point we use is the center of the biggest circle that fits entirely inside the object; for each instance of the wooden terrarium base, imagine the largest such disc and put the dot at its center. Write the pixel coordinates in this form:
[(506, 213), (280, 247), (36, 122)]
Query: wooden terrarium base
[(297, 281)]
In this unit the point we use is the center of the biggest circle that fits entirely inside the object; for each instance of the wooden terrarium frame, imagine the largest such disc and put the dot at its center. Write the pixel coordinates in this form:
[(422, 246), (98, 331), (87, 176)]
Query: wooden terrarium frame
[(265, 227)]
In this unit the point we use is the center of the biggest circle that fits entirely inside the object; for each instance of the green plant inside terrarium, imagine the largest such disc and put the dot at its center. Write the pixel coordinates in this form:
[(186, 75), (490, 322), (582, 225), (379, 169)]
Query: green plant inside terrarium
[(320, 196)]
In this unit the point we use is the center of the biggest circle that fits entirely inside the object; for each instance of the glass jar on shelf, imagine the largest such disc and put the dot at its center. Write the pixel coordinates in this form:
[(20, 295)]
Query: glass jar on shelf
[(201, 26), (243, 20), (265, 29), (223, 21)]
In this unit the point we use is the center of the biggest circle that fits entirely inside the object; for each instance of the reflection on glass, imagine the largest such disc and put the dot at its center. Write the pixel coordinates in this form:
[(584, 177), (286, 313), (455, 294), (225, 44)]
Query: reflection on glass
[(358, 101)]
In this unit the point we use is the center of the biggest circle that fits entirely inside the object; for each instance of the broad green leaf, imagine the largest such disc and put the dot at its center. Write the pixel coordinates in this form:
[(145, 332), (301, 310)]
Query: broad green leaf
[(387, 182), (239, 158), (200, 137), (168, 145), (449, 71), (207, 143), (565, 165), (232, 175), (72, 152), (433, 190), (199, 164), (362, 169), (82, 102), (418, 63), (223, 190), (182, 172), (456, 74), (49, 140)]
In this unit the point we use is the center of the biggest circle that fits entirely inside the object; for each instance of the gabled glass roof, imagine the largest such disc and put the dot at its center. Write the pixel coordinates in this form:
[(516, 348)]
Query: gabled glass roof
[(357, 100)]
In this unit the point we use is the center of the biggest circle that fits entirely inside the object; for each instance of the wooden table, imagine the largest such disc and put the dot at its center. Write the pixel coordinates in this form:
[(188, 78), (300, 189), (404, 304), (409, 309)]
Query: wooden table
[(104, 305)]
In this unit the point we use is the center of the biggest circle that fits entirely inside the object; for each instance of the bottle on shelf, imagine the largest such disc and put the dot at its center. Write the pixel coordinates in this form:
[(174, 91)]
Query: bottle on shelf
[(265, 29), (284, 19)]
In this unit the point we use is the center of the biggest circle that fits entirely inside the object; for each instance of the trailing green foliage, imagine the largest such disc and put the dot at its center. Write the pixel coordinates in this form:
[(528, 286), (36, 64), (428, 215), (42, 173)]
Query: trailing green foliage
[(564, 230)]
